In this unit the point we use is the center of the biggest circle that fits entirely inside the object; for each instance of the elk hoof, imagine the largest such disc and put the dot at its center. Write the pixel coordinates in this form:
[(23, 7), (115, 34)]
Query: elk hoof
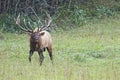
[(29, 60)]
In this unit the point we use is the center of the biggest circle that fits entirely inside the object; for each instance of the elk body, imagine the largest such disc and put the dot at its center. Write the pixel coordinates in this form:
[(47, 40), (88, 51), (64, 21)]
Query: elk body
[(40, 40)]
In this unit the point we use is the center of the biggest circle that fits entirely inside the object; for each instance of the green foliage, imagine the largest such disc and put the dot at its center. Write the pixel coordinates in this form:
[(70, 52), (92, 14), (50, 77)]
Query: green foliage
[(79, 16), (65, 13), (91, 52), (7, 23), (102, 12)]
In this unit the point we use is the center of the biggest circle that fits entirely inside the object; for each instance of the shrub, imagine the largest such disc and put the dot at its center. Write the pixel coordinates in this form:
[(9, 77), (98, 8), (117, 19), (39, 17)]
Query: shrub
[(102, 12), (79, 16), (7, 23)]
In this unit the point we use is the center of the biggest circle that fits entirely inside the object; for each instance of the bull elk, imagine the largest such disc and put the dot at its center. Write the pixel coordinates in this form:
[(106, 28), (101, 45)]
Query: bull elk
[(40, 40)]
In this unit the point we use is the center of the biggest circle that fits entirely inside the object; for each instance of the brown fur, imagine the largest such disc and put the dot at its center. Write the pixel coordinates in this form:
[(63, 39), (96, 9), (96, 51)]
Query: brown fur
[(43, 42)]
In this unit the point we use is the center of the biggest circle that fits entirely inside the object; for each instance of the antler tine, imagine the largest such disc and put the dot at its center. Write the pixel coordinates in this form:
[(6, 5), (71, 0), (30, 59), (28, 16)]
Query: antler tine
[(27, 25), (49, 22), (49, 19), (18, 20), (39, 21), (18, 23)]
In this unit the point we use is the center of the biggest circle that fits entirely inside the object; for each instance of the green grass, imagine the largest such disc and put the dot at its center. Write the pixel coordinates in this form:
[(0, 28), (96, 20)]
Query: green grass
[(91, 52)]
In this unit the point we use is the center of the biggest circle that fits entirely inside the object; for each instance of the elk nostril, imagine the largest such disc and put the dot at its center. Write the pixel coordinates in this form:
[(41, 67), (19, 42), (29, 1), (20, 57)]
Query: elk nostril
[(36, 37)]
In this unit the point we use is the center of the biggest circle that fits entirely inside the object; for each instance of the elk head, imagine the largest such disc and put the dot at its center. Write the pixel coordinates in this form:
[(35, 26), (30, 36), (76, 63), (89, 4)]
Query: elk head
[(34, 33)]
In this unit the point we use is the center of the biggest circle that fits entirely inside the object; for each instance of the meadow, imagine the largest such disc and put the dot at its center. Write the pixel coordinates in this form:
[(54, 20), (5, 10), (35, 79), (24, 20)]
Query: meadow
[(90, 52)]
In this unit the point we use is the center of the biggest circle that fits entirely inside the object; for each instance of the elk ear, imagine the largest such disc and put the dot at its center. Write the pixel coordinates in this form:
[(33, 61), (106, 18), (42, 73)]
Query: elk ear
[(42, 33)]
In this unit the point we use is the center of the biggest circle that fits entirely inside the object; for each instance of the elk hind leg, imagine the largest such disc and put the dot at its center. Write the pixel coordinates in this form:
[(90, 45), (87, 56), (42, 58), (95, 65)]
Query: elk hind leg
[(50, 53)]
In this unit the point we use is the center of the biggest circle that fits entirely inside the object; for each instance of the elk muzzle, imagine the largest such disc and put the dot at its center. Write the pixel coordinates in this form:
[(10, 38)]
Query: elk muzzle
[(36, 37)]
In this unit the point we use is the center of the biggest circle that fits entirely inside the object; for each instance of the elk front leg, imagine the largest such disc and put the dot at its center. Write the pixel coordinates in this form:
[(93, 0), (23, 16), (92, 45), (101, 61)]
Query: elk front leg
[(41, 57), (30, 55)]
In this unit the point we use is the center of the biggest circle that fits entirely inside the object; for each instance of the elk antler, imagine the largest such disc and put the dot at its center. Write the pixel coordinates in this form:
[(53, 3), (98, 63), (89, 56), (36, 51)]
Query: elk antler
[(48, 24), (22, 28), (39, 21)]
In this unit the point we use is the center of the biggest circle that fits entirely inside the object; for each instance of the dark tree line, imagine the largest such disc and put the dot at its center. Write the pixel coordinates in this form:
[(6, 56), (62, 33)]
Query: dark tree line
[(13, 6)]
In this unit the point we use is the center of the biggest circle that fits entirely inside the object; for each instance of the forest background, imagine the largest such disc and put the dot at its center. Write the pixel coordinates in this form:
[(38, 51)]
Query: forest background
[(66, 14)]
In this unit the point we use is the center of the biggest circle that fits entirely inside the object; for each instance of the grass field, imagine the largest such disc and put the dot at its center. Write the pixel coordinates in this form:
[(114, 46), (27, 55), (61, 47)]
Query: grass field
[(91, 52)]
